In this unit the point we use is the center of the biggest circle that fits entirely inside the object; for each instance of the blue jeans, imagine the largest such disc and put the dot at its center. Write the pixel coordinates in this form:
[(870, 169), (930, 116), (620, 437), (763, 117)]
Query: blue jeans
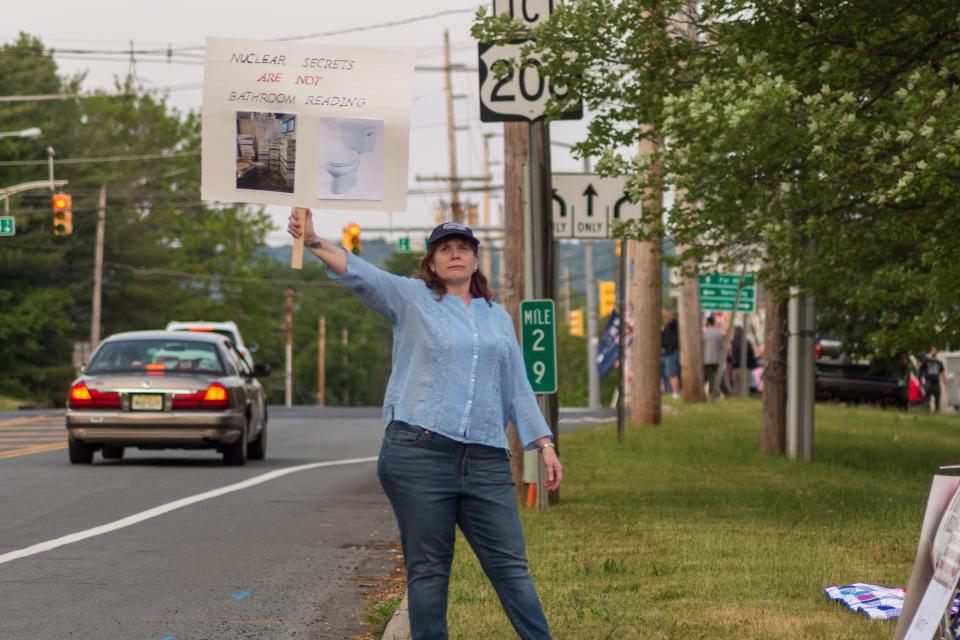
[(436, 484)]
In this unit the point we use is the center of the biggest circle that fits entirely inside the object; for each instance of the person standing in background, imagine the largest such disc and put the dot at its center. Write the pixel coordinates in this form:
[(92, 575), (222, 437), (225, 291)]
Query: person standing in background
[(670, 350), (932, 377), (735, 348), (713, 355)]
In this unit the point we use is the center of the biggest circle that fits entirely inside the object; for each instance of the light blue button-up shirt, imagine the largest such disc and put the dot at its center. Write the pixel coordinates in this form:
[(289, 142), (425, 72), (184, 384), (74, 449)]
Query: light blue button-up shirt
[(457, 368)]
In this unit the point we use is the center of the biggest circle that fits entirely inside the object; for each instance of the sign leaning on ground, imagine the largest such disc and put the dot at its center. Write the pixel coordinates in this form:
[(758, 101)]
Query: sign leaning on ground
[(523, 93), (718, 291), (306, 125), (538, 335), (586, 205), (8, 226)]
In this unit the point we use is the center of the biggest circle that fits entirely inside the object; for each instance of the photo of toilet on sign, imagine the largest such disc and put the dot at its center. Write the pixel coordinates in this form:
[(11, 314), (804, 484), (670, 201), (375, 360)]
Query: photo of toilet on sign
[(306, 125), (586, 205)]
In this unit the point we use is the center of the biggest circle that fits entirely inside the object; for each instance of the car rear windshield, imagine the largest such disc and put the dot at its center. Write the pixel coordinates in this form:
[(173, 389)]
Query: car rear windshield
[(156, 356)]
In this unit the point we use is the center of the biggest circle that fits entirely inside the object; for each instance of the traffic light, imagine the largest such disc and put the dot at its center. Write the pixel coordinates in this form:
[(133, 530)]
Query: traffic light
[(351, 238), (576, 322), (62, 214), (608, 297)]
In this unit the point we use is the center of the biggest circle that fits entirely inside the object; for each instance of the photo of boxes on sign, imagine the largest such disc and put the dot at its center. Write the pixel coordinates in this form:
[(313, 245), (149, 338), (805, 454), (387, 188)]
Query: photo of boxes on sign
[(266, 151)]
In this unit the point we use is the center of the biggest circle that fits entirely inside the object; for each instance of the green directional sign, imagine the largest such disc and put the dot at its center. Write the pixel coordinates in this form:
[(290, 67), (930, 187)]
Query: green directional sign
[(718, 292), (403, 244), (538, 335), (8, 226)]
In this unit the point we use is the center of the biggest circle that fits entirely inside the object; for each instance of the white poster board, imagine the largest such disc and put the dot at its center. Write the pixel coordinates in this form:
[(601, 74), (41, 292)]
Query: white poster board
[(306, 125), (936, 569)]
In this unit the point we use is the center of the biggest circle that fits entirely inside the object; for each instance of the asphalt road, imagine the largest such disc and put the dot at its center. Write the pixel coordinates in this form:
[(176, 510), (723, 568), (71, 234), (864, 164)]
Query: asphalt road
[(286, 557)]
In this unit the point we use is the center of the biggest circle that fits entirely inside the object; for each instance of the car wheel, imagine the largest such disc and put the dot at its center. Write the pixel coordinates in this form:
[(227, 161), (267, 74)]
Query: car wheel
[(235, 454), (258, 448), (112, 453), (80, 452)]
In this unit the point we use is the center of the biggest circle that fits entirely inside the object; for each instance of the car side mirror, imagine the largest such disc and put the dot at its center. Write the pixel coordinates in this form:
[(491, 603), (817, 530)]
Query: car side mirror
[(261, 370)]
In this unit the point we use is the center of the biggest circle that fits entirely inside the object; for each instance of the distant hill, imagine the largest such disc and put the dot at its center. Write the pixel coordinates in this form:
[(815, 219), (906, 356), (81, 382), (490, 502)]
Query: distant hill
[(605, 261)]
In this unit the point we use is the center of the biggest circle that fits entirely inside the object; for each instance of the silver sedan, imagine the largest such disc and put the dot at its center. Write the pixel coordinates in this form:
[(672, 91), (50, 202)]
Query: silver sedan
[(167, 390)]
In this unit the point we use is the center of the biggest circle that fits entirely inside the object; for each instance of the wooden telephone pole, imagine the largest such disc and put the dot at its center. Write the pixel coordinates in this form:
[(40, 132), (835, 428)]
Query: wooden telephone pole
[(645, 396), (512, 267), (456, 208)]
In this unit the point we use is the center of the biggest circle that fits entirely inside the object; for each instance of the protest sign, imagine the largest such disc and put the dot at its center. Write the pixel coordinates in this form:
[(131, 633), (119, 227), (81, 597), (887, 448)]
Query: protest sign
[(306, 125)]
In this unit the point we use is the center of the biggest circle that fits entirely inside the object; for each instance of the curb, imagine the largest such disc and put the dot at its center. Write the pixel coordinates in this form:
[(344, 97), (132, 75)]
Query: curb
[(399, 626)]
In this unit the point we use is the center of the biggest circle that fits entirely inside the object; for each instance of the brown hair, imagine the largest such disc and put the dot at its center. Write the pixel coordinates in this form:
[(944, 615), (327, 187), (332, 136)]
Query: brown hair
[(479, 288)]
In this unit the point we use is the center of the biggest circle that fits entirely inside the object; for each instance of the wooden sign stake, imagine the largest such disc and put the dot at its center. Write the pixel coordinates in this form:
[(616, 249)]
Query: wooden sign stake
[(296, 258)]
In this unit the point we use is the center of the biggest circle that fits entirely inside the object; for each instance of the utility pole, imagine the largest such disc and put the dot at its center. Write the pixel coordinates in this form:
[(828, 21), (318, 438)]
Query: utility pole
[(488, 250), (566, 291), (321, 360), (645, 396), (288, 370), (344, 360), (456, 209), (511, 262), (98, 268)]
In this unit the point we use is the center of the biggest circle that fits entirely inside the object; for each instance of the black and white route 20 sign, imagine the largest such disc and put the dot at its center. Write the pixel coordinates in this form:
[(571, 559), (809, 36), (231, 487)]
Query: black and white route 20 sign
[(524, 92)]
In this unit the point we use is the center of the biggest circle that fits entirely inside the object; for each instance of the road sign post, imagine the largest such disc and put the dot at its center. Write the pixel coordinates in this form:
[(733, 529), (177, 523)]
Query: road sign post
[(8, 226), (538, 331)]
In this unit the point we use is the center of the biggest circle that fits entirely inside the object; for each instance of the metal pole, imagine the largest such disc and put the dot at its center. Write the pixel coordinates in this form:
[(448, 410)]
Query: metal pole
[(98, 268), (593, 376), (50, 154), (794, 379), (621, 386), (808, 390)]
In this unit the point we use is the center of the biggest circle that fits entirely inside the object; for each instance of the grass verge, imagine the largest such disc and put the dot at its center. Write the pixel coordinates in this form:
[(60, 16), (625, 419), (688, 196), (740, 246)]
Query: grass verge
[(685, 530)]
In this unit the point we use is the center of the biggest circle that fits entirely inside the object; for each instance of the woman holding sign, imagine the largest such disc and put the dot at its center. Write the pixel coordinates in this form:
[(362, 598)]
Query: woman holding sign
[(457, 377)]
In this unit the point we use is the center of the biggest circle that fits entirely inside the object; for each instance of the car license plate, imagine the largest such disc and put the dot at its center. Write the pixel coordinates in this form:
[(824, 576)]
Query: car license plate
[(146, 402)]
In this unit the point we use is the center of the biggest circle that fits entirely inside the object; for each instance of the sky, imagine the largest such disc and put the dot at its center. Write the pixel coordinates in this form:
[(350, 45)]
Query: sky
[(111, 25)]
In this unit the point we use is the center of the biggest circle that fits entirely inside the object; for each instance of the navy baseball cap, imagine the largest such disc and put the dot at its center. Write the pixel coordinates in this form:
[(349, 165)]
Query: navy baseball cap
[(453, 229)]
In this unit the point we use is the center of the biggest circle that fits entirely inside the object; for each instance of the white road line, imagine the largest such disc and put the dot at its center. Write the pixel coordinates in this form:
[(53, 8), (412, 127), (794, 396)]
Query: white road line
[(170, 506)]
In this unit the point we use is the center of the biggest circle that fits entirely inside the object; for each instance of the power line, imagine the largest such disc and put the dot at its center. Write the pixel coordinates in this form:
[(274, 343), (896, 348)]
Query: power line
[(171, 51), (95, 159)]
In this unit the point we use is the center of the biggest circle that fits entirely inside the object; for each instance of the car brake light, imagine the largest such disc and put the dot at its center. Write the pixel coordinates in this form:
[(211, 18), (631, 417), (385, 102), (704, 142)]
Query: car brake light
[(200, 329), (82, 397), (818, 351), (155, 369), (215, 396)]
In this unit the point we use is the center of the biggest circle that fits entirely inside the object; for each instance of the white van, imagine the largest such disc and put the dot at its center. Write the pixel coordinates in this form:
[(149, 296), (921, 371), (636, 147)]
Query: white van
[(228, 329)]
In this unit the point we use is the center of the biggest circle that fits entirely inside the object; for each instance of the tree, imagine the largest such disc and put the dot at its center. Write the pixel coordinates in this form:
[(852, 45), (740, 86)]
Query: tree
[(815, 141), (167, 255)]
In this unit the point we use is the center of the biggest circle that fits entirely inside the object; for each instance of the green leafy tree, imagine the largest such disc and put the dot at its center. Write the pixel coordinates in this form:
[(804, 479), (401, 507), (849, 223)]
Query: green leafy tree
[(814, 141)]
